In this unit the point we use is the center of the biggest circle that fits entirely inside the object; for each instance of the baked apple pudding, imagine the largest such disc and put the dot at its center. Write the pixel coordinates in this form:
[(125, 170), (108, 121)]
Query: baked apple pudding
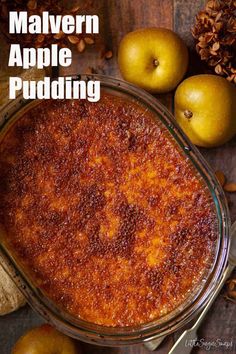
[(104, 211)]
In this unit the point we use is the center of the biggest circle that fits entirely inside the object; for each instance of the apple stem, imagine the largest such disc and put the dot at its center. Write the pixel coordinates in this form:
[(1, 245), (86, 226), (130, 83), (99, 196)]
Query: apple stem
[(188, 114), (155, 62)]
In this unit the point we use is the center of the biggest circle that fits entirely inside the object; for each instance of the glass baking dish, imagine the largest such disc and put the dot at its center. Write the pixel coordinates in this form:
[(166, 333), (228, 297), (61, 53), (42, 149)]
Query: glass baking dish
[(174, 320)]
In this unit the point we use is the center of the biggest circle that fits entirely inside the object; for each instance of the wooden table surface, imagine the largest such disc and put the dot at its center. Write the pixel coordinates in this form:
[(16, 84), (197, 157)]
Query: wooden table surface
[(117, 18)]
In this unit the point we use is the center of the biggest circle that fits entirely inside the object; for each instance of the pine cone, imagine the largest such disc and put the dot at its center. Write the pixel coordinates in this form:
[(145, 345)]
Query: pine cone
[(215, 31)]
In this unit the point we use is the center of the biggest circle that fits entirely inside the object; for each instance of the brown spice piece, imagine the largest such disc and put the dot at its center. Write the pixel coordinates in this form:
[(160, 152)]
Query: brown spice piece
[(231, 289), (89, 40), (32, 4), (75, 9), (215, 32), (73, 39), (40, 38), (230, 187), (59, 35), (81, 46), (108, 54), (221, 177)]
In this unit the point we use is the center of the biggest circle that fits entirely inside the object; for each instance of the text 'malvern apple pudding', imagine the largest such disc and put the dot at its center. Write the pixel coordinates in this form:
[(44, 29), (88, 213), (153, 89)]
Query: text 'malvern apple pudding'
[(103, 211)]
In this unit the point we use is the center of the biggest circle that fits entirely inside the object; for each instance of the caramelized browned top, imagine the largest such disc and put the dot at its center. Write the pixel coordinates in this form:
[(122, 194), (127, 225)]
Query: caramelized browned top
[(104, 211)]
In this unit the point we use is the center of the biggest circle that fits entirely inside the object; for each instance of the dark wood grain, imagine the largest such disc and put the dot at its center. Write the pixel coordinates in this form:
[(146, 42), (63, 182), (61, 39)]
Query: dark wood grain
[(220, 322), (119, 17)]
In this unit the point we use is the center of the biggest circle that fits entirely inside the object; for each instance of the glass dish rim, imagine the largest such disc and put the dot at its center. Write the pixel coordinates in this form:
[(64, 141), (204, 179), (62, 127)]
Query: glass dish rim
[(127, 335)]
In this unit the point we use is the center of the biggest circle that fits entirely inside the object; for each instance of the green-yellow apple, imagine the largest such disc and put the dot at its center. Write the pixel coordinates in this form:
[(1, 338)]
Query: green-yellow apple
[(205, 108), (45, 340), (155, 59)]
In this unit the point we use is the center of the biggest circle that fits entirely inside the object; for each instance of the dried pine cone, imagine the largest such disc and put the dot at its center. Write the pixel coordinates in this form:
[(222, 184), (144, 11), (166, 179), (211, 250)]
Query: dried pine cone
[(36, 7), (215, 31)]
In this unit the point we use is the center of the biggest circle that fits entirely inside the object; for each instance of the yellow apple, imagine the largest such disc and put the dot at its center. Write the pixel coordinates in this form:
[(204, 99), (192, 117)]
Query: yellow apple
[(45, 340), (155, 59), (205, 108)]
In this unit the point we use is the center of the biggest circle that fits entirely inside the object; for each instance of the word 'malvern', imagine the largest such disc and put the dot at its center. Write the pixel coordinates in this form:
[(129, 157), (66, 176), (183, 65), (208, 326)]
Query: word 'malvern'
[(20, 22)]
